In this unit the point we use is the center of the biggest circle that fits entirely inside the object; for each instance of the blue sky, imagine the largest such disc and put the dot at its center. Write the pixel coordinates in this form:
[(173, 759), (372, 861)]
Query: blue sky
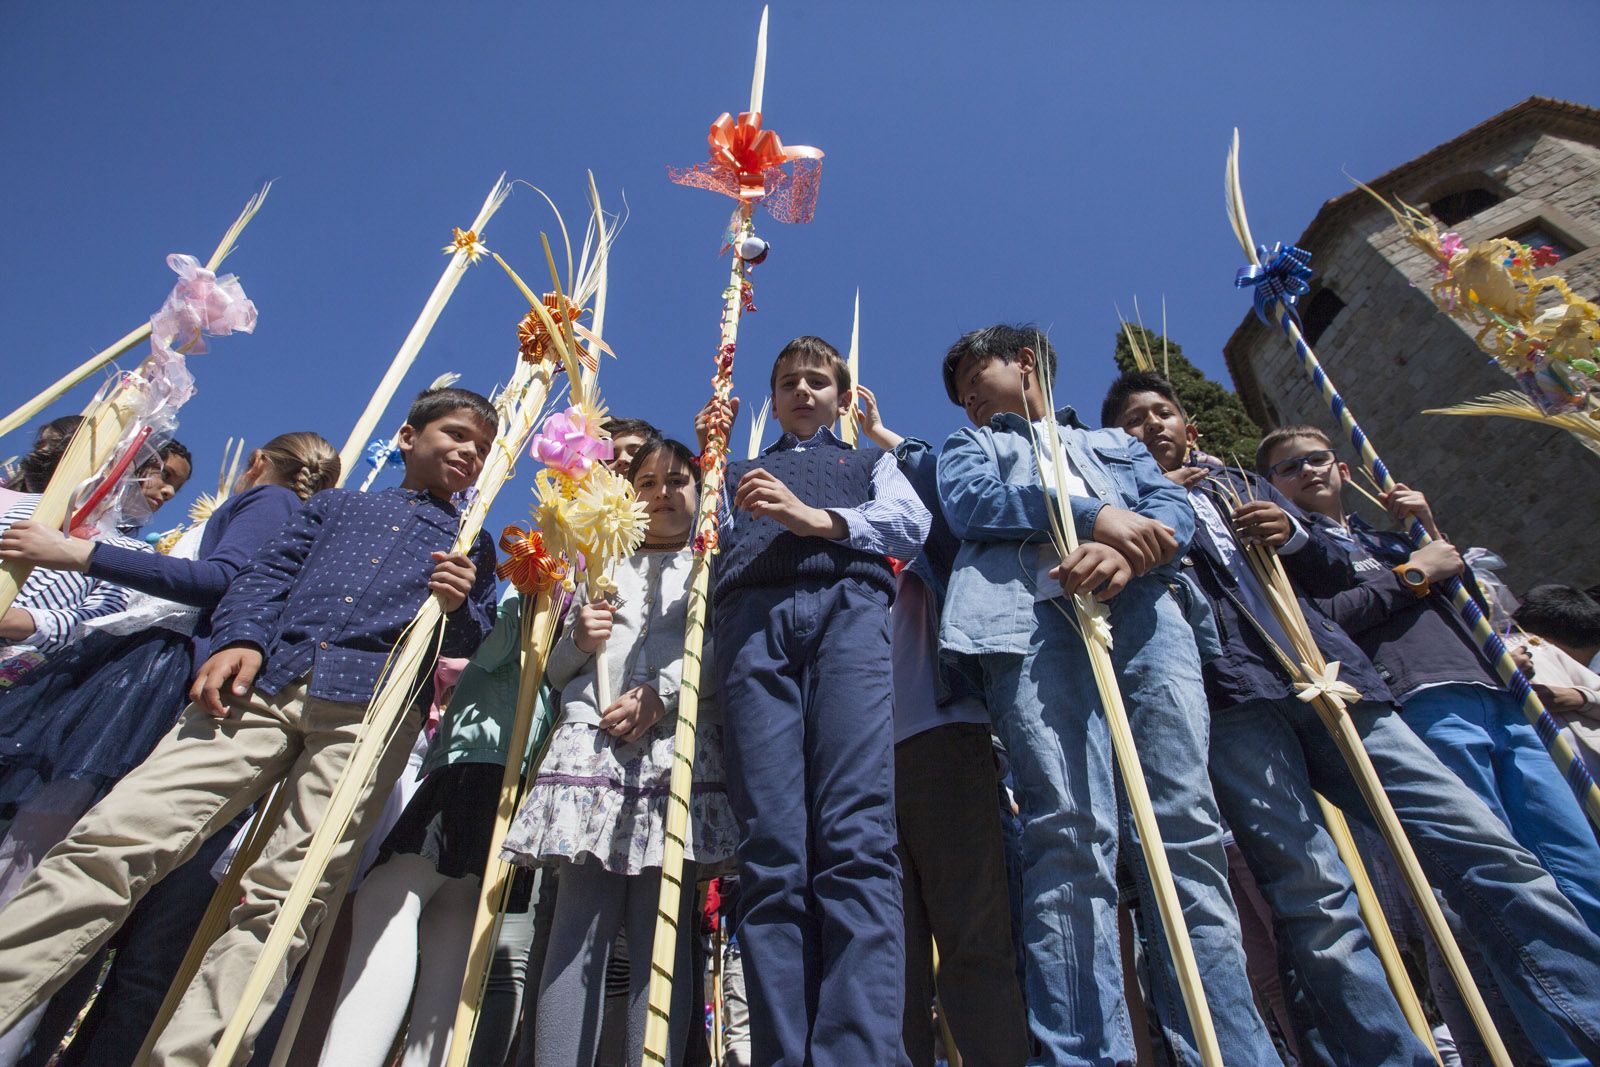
[(984, 161)]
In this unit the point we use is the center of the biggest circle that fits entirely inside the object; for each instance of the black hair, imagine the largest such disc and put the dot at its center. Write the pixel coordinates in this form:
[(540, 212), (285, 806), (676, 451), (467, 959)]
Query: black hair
[(1269, 444), (49, 444), (1561, 613), (432, 405), (1001, 341), (1136, 381), (620, 427), (810, 351), (174, 447), (675, 449)]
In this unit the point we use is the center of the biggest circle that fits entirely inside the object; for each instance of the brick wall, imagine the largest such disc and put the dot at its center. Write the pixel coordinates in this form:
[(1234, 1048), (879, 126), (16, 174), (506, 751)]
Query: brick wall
[(1529, 493)]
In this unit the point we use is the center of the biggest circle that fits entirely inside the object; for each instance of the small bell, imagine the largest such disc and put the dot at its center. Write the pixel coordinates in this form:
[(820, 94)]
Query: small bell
[(752, 249)]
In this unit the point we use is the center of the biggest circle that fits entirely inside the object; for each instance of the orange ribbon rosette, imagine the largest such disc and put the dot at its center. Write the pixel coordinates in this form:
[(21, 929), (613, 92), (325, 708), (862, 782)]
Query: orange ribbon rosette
[(533, 340), (529, 566), (752, 165)]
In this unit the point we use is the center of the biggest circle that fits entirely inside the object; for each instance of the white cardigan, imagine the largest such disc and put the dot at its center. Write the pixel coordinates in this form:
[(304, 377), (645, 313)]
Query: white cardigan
[(646, 645)]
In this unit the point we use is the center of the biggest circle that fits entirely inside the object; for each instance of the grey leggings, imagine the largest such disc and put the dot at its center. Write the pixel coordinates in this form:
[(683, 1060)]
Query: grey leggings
[(592, 905)]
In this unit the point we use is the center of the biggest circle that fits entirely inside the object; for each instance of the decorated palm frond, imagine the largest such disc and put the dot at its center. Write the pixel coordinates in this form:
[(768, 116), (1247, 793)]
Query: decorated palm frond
[(1511, 404)]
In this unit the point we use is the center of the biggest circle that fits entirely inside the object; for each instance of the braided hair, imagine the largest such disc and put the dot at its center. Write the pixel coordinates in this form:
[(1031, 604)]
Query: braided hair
[(303, 461)]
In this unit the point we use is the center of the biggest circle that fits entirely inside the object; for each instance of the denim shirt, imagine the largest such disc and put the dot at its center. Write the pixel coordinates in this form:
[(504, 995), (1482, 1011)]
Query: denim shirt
[(989, 486), (332, 593)]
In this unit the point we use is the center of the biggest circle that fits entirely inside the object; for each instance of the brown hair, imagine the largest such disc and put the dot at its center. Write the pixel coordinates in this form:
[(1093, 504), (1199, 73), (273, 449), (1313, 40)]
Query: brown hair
[(809, 351), (303, 461), (36, 468), (1270, 443)]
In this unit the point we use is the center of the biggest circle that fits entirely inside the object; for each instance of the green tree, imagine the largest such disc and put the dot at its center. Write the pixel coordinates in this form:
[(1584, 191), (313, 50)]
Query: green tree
[(1225, 429)]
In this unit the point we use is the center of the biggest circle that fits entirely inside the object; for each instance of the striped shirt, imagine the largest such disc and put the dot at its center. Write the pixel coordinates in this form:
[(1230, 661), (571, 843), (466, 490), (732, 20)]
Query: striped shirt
[(59, 600)]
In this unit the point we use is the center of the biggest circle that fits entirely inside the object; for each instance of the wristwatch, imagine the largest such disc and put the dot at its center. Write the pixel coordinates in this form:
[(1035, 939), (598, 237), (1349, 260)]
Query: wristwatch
[(1413, 579)]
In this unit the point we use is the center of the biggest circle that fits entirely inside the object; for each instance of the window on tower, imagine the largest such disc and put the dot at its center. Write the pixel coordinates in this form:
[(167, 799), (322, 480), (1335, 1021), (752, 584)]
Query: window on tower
[(1318, 313), (1463, 204), (1540, 234)]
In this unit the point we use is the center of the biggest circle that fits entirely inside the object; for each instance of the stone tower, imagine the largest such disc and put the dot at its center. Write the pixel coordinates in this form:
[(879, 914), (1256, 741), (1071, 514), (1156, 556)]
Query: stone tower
[(1530, 493)]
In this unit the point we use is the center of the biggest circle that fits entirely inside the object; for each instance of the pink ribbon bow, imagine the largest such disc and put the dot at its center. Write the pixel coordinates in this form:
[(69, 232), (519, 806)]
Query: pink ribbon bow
[(201, 304)]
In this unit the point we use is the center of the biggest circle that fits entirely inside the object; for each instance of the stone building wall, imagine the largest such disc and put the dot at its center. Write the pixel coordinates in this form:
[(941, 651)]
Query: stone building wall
[(1530, 493)]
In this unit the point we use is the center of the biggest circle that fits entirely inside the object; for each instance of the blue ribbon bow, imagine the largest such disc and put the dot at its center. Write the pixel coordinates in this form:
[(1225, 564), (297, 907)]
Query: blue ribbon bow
[(1283, 275), (381, 453)]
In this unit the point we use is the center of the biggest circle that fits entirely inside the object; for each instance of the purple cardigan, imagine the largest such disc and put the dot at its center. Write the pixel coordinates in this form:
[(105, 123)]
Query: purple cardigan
[(235, 533)]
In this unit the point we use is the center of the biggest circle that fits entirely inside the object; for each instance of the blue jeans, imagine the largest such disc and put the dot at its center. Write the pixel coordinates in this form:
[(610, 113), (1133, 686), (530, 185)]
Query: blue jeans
[(809, 739), (1045, 707), (1268, 756), (1482, 735)]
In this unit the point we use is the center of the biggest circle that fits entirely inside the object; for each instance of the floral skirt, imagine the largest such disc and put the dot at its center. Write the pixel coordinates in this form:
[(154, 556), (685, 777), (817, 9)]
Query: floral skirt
[(595, 797)]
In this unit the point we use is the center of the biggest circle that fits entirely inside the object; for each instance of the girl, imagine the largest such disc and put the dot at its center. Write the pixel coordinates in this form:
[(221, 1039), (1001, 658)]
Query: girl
[(597, 809), (73, 728), (46, 615)]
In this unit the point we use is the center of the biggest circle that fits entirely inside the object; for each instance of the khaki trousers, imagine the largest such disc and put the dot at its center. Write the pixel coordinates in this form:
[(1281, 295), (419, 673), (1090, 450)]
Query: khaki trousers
[(198, 778)]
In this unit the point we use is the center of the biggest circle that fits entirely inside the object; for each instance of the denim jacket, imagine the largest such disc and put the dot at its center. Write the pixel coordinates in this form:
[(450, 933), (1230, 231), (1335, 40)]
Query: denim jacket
[(989, 486)]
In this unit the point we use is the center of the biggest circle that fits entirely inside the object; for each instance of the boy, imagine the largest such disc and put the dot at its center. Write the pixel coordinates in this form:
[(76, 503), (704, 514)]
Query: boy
[(952, 854), (301, 639), (1006, 623), (801, 602), (1269, 751), (1564, 624)]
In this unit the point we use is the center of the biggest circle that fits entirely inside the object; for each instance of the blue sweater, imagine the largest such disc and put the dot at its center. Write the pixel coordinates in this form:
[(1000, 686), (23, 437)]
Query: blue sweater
[(234, 534)]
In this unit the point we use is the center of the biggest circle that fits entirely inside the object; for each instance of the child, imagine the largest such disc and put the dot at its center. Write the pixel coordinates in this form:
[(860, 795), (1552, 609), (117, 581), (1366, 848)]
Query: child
[(1006, 625), (1269, 751), (801, 602), (598, 806), (94, 711), (300, 640), (952, 856), (1449, 693), (44, 618), (1564, 624)]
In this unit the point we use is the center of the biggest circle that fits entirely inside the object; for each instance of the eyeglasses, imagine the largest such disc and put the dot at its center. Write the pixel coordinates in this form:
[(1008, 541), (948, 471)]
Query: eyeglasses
[(1321, 459)]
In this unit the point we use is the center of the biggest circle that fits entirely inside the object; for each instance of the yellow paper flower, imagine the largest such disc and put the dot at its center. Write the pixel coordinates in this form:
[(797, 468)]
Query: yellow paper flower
[(553, 513), (204, 506), (608, 521)]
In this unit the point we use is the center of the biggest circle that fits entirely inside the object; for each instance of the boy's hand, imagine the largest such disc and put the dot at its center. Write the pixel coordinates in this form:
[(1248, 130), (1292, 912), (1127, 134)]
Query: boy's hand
[(1143, 542), (592, 628), (1094, 568), (871, 420), (633, 713), (1523, 659), (716, 411), (1437, 560), (240, 663), (1188, 477), (453, 575), (762, 493), (1560, 698), (44, 546), (1262, 522), (1403, 502)]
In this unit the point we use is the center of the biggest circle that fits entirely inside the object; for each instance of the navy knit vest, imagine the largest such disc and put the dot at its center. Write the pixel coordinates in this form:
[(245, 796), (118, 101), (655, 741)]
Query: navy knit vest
[(760, 551)]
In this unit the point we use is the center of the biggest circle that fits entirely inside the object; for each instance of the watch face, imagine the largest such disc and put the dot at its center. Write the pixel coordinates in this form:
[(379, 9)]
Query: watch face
[(1415, 577)]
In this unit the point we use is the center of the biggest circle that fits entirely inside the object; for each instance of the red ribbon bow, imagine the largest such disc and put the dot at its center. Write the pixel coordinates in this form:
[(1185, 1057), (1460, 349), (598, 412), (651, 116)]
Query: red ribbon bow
[(748, 163)]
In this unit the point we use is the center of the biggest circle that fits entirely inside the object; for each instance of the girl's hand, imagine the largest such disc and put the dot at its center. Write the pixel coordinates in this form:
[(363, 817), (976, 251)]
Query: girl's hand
[(592, 627), (872, 420), (44, 546), (1093, 568), (453, 575), (633, 713)]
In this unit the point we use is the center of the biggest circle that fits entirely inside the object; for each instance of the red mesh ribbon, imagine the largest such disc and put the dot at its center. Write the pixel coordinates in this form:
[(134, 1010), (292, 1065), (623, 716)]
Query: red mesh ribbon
[(533, 340), (528, 565), (752, 164)]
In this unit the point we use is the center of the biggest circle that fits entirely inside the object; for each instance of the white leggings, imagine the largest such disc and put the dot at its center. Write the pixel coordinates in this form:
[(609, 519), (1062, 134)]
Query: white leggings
[(403, 904)]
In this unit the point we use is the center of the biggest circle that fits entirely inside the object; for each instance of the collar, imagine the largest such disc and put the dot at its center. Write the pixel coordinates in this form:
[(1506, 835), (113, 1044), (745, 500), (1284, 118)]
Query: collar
[(823, 436), (1010, 420)]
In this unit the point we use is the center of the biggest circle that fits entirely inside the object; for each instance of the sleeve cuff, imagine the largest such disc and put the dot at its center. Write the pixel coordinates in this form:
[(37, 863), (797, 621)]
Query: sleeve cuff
[(857, 531), (1297, 540)]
